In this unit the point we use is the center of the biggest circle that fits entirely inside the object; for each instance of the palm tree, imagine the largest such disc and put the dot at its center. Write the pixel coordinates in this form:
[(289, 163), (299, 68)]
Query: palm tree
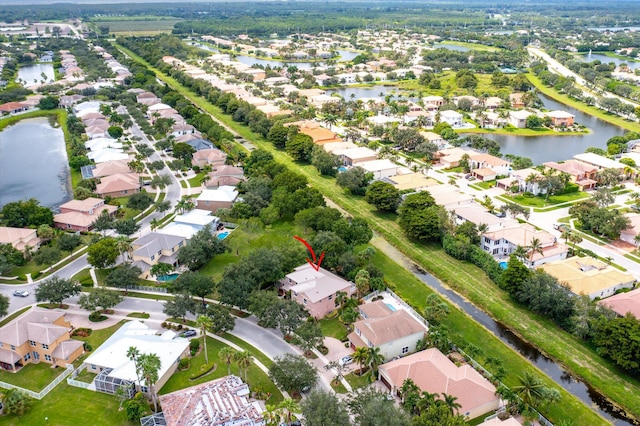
[(408, 387), (181, 205), (520, 252), (204, 323), (124, 246), (535, 246), (426, 400), (374, 359), (133, 353), (243, 359), (228, 354), (155, 223), (272, 416), (149, 366), (575, 239), (289, 406), (530, 390), (360, 357), (451, 402)]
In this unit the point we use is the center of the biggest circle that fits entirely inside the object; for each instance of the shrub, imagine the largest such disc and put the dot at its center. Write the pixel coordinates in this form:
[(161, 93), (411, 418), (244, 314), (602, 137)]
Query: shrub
[(204, 369), (82, 332), (163, 325), (96, 317), (87, 347), (183, 364)]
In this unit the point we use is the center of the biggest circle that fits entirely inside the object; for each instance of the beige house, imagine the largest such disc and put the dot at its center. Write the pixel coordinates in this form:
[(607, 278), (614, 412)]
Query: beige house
[(433, 372), (630, 234), (155, 248), (222, 197), (518, 118), (357, 155), (40, 335), (411, 181), (225, 176), (318, 134), (582, 174), (211, 156), (109, 168), (19, 238), (392, 330), (588, 276), (119, 185), (449, 196), (79, 215), (315, 290), (450, 157)]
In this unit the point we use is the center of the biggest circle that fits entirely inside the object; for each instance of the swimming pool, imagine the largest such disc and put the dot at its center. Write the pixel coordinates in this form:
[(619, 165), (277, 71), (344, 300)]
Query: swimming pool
[(391, 307), (223, 235), (167, 278), (342, 169), (504, 265)]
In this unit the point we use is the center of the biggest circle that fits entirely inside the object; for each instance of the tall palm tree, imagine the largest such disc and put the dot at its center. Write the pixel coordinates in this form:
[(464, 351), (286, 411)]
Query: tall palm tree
[(228, 354), (149, 366), (408, 387), (535, 246), (530, 389), (289, 407), (451, 402), (243, 359), (374, 359), (520, 253), (204, 323), (426, 400), (360, 357), (272, 416), (155, 223), (133, 353), (123, 244)]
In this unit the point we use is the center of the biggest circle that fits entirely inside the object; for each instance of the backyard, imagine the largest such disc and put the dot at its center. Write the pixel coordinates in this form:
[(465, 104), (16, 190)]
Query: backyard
[(540, 201), (34, 377)]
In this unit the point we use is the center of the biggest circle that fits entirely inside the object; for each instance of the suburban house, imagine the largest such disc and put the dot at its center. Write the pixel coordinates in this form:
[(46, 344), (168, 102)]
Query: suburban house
[(318, 134), (516, 100), (434, 138), (527, 180), (315, 290), (449, 196), (518, 118), (560, 118), (454, 118), (199, 144), (351, 156), (582, 174), (630, 235), (434, 372), (497, 421), (388, 327), (381, 168), (79, 215), (155, 248), (478, 215), (222, 197), (220, 402), (109, 168), (70, 100), (19, 238), (503, 241), (450, 157), (599, 162), (624, 303), (13, 108), (487, 167), (39, 335), (107, 154), (412, 181), (432, 103), (225, 176), (115, 368), (187, 224), (588, 276), (211, 156), (118, 185)]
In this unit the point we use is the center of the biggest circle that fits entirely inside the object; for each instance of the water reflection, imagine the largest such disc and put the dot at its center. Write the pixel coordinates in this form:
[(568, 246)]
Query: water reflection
[(33, 72)]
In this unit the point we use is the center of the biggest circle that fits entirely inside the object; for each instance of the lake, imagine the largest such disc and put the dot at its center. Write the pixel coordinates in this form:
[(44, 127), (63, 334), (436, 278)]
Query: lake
[(451, 47), (606, 59), (557, 148), (33, 163), (34, 72), (362, 92)]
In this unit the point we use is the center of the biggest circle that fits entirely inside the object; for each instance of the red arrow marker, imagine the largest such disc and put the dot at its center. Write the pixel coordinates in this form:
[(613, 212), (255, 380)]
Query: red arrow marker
[(313, 254)]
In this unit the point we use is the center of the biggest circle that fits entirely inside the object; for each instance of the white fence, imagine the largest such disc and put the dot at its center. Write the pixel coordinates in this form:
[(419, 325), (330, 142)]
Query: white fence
[(72, 382), (46, 390)]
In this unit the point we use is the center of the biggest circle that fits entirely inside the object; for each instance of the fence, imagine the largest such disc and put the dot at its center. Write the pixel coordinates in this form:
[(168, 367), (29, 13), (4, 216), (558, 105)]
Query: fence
[(148, 288), (46, 390), (76, 383)]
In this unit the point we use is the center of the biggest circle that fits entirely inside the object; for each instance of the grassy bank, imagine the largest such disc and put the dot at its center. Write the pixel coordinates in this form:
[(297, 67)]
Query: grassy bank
[(470, 281), (581, 106), (520, 132)]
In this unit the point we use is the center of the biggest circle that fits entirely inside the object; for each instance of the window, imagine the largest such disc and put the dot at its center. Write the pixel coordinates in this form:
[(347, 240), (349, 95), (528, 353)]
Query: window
[(32, 343), (45, 346), (405, 350), (304, 301), (0, 344), (47, 357), (159, 252), (93, 367), (13, 347), (330, 297), (153, 256), (180, 243), (495, 251), (27, 357)]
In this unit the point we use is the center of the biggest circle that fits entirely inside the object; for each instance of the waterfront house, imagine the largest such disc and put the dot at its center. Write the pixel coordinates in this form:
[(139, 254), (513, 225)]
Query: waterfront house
[(19, 238), (454, 118), (315, 290), (560, 118), (79, 215), (433, 372), (518, 119), (582, 174), (118, 185)]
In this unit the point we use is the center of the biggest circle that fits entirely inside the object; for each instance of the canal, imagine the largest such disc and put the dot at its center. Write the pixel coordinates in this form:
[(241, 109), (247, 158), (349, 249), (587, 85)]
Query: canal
[(574, 386), (33, 163)]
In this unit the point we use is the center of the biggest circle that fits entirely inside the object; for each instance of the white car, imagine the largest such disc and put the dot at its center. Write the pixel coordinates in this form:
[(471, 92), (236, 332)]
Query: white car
[(345, 360), (21, 293)]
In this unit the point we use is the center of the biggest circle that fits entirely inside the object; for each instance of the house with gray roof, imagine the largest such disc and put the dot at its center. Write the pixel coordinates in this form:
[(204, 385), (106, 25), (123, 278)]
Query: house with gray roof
[(156, 248)]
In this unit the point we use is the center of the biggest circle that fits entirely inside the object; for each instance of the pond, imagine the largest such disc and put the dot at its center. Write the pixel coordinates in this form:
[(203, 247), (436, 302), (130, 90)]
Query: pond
[(606, 59), (451, 47), (33, 72), (362, 92), (33, 163), (557, 148)]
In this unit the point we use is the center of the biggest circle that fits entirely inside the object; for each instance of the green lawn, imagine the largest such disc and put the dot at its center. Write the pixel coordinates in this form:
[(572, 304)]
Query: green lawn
[(83, 277), (34, 377), (86, 376), (332, 327), (142, 315), (540, 202), (68, 405), (257, 380), (358, 382), (259, 355), (543, 131), (473, 284)]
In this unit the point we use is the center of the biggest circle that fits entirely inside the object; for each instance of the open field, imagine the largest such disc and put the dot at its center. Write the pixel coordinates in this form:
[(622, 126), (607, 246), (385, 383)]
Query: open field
[(471, 282), (137, 27)]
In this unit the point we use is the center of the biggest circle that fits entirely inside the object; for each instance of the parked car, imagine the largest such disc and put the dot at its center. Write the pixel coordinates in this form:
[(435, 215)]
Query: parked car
[(561, 227), (471, 178), (21, 293), (345, 360), (188, 333)]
